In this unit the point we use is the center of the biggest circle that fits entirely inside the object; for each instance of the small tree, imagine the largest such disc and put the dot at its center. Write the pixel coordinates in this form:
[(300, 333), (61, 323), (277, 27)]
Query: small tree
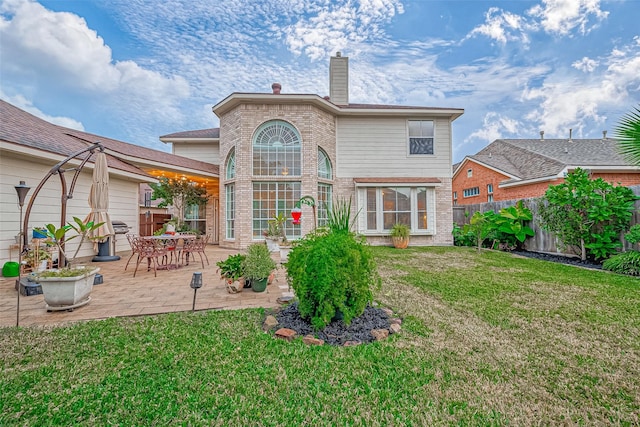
[(179, 193), (587, 214)]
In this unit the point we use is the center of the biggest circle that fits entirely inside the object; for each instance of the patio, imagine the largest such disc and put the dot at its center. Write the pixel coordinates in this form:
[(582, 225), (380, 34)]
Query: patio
[(121, 294)]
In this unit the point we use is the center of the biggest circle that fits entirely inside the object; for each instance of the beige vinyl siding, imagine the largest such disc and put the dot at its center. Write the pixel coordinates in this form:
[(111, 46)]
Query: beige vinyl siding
[(204, 151), (370, 147), (123, 200)]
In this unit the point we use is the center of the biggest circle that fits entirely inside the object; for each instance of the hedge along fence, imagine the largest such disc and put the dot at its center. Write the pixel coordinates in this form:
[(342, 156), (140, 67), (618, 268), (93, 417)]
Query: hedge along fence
[(542, 241)]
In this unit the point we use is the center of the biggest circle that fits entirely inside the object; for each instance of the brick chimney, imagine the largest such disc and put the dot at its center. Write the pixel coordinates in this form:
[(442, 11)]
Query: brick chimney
[(339, 79), (276, 87)]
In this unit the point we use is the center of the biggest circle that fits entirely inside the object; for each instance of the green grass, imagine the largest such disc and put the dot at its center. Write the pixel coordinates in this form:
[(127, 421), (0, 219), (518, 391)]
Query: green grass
[(487, 339)]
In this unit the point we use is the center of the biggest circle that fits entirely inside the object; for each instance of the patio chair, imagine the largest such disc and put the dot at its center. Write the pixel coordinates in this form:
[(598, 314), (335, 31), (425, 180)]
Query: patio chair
[(152, 250), (133, 242), (193, 246)]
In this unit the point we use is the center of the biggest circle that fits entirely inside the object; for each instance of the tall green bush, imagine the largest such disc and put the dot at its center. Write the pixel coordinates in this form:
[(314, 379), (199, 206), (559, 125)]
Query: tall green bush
[(587, 214), (331, 270)]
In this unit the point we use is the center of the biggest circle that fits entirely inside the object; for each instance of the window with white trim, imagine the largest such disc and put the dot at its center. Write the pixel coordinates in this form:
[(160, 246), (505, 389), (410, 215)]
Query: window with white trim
[(325, 171), (469, 173), (276, 150), (386, 206), (270, 199), (490, 198), (231, 164), (324, 203), (470, 192), (489, 188), (230, 210), (421, 136)]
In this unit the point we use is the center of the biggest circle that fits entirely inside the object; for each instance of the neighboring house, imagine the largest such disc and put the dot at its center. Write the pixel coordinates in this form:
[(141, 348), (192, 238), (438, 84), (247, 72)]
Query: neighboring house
[(30, 147), (513, 169), (393, 162)]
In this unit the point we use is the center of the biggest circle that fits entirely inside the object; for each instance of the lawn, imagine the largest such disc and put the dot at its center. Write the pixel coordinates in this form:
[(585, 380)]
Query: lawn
[(487, 339)]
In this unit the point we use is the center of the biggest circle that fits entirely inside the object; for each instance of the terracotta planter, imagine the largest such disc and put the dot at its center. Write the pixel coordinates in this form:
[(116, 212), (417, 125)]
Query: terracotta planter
[(400, 242), (67, 293)]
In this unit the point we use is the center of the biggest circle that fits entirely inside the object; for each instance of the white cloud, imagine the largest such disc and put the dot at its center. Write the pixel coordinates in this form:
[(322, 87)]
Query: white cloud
[(26, 105), (66, 56), (568, 102), (587, 65), (339, 27), (562, 16), (495, 126), (502, 26)]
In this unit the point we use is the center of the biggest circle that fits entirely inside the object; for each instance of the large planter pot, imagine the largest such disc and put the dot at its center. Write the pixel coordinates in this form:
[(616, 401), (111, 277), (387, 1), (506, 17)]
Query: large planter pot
[(272, 244), (67, 293), (400, 242), (284, 253), (259, 285)]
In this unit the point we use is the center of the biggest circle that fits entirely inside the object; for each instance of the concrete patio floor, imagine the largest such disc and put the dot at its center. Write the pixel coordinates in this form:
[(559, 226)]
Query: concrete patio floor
[(121, 294)]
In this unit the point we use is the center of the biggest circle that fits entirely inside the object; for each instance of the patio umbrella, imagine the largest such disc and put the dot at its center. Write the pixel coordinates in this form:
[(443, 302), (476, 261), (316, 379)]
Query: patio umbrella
[(99, 199)]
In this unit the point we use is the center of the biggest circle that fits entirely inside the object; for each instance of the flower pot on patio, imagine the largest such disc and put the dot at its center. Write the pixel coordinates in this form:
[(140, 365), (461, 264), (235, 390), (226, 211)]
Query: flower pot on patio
[(67, 293)]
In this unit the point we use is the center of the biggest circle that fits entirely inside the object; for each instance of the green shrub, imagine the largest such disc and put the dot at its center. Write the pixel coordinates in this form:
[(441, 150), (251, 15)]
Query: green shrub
[(400, 230), (331, 271), (231, 268), (258, 263), (624, 263), (633, 236)]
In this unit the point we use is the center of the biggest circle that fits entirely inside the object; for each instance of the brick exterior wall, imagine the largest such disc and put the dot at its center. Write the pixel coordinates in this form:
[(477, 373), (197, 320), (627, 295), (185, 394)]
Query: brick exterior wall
[(482, 176), (316, 128)]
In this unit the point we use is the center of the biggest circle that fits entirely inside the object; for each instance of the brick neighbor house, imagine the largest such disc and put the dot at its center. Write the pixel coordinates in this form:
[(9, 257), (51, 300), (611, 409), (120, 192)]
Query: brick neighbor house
[(513, 169)]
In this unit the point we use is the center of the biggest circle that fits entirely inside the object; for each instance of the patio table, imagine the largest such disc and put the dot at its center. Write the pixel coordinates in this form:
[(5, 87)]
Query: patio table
[(170, 243)]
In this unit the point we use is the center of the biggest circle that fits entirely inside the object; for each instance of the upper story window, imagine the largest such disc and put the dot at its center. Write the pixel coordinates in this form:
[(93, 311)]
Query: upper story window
[(490, 188), (421, 136), (231, 164), (324, 165), (276, 150), (469, 173)]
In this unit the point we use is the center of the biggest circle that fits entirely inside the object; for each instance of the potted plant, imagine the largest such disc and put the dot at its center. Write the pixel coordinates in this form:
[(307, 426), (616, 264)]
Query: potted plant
[(231, 272), (258, 266), (400, 235), (68, 287), (273, 233)]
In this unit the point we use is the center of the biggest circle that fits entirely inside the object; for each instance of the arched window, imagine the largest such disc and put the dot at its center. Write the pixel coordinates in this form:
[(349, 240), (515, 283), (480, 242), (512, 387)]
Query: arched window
[(276, 150), (231, 164), (324, 165)]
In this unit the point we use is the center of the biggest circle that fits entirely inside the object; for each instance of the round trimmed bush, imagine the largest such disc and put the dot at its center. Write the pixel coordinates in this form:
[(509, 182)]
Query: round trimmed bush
[(331, 273)]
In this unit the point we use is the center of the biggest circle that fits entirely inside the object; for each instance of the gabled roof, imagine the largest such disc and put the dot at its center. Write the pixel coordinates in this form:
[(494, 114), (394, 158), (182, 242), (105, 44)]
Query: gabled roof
[(25, 130), (531, 159), (211, 133)]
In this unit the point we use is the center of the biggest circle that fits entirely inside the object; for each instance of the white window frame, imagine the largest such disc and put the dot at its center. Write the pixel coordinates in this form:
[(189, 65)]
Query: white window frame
[(230, 211), (471, 192), (469, 173), (421, 135), (379, 211)]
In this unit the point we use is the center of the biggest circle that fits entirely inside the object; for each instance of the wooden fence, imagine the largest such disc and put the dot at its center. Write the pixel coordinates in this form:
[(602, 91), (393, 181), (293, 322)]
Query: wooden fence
[(543, 241)]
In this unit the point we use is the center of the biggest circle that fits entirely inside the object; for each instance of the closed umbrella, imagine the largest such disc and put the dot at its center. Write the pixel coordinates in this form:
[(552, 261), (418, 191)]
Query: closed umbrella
[(99, 200)]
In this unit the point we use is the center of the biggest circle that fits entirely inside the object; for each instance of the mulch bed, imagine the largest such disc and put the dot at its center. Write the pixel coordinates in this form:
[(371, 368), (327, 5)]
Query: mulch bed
[(560, 259)]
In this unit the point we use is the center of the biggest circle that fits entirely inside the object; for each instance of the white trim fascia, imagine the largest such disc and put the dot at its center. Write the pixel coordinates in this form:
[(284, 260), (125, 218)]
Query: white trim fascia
[(529, 181), (139, 162), (187, 140), (260, 98), (601, 168)]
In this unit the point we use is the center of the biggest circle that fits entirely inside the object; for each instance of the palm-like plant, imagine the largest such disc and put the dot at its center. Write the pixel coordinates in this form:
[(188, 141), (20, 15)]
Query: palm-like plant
[(627, 132)]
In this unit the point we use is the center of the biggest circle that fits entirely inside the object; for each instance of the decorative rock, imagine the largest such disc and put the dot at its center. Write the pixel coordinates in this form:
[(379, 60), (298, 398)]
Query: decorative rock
[(395, 321), (286, 334), (380, 334), (311, 340), (352, 343), (394, 328), (269, 323), (388, 311)]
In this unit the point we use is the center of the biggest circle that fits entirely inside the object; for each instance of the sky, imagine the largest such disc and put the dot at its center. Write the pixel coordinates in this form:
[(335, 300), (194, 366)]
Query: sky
[(134, 70)]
